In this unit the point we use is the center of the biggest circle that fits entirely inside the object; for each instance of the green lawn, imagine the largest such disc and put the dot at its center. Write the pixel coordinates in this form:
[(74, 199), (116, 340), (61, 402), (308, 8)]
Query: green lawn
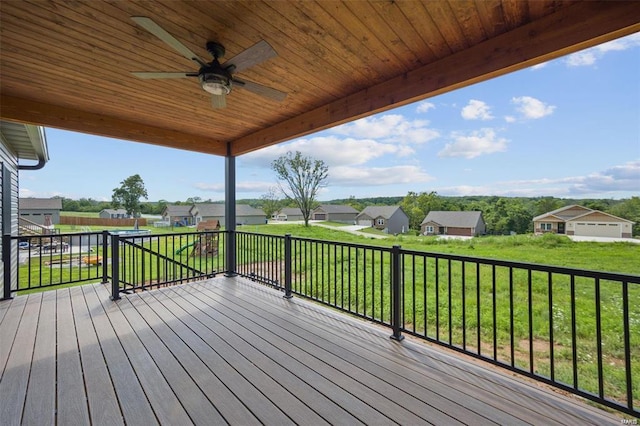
[(545, 249)]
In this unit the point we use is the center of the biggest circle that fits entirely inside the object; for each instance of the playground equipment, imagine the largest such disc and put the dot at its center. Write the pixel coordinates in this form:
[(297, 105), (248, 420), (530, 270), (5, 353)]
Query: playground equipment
[(207, 244), (92, 260)]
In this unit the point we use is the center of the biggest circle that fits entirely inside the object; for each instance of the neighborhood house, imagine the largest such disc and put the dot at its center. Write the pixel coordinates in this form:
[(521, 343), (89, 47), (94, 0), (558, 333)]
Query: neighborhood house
[(389, 219), (335, 213), (467, 224), (178, 215), (114, 214), (245, 214), (36, 210), (582, 221), (288, 214)]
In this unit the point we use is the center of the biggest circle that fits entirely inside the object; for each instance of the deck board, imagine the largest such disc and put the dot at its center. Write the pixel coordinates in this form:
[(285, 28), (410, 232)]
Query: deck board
[(13, 386), (40, 404), (455, 383), (99, 387), (228, 351), (70, 385)]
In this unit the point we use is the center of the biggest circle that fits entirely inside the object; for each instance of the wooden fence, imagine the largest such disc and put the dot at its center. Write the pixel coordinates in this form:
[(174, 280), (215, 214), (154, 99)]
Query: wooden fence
[(98, 221)]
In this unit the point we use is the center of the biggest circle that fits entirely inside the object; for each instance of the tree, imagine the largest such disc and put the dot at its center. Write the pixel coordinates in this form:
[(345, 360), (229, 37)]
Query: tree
[(300, 178), (128, 195), (270, 202), (416, 206), (629, 209)]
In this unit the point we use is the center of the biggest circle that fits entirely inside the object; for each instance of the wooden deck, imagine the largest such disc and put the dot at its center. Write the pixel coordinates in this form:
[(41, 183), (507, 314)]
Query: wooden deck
[(229, 351)]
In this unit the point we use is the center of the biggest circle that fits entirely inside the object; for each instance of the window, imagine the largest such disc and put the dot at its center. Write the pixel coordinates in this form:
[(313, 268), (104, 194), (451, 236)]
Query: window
[(546, 226), (380, 221), (429, 229)]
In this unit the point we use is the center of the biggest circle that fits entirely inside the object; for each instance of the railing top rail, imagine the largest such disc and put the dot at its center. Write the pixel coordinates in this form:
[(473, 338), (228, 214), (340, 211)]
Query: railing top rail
[(338, 243), (169, 234), (66, 234)]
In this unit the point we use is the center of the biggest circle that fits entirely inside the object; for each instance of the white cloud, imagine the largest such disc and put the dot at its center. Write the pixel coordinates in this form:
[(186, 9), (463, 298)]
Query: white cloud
[(532, 108), (590, 56), (389, 128), (476, 110), (425, 106), (509, 119), (581, 59), (480, 142), (377, 176), (618, 179), (333, 150)]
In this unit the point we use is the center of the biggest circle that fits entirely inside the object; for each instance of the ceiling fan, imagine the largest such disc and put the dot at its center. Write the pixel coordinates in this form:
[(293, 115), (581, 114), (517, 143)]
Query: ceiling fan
[(215, 78)]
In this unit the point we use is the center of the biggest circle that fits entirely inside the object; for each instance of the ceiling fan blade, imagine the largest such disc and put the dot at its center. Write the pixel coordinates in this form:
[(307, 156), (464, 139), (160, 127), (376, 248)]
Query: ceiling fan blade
[(159, 32), (261, 90), (257, 53), (219, 101), (149, 75)]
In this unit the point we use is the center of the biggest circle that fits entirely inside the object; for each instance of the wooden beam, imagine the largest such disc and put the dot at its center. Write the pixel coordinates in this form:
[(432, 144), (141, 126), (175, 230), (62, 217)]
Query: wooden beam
[(42, 114), (574, 28)]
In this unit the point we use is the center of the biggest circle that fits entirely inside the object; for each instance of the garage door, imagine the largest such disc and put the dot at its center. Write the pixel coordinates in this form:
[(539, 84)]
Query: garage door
[(364, 222), (590, 229), (320, 216)]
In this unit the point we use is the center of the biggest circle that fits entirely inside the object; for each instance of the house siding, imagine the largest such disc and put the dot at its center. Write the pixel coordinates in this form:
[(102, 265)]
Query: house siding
[(398, 223), (10, 172)]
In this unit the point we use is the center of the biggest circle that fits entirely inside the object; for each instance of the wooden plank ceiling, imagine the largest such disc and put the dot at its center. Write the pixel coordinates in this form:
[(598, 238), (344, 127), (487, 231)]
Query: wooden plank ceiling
[(68, 64)]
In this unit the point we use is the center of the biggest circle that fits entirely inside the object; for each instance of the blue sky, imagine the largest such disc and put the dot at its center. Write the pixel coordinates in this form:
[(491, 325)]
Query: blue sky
[(569, 128)]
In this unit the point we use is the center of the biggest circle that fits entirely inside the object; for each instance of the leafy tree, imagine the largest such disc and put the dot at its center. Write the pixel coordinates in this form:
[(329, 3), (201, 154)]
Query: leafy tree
[(300, 178), (194, 200), (128, 195), (416, 206), (547, 204), (270, 202), (630, 210), (508, 215)]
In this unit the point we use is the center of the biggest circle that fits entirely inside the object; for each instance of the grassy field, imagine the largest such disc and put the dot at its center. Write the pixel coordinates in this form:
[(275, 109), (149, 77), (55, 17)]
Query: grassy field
[(546, 249), (460, 310)]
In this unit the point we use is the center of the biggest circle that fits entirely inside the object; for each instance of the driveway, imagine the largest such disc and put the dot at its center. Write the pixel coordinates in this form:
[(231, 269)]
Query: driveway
[(352, 229), (604, 239)]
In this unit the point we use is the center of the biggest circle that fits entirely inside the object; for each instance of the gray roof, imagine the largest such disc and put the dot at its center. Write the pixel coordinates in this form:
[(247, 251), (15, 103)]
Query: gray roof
[(454, 219), (179, 209), (567, 215), (336, 208), (27, 141), (40, 204), (291, 211), (217, 210), (573, 212), (379, 211)]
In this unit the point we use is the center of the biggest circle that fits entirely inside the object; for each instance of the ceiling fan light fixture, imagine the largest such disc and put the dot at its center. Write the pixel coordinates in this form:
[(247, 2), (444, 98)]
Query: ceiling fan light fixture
[(215, 84)]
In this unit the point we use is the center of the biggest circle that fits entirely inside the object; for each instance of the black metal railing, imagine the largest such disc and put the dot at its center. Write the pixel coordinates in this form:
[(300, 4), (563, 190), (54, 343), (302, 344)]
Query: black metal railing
[(145, 262), (574, 329), (43, 261)]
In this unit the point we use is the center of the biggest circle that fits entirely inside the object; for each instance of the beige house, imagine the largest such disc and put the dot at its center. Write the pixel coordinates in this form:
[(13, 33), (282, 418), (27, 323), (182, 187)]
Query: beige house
[(582, 221)]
